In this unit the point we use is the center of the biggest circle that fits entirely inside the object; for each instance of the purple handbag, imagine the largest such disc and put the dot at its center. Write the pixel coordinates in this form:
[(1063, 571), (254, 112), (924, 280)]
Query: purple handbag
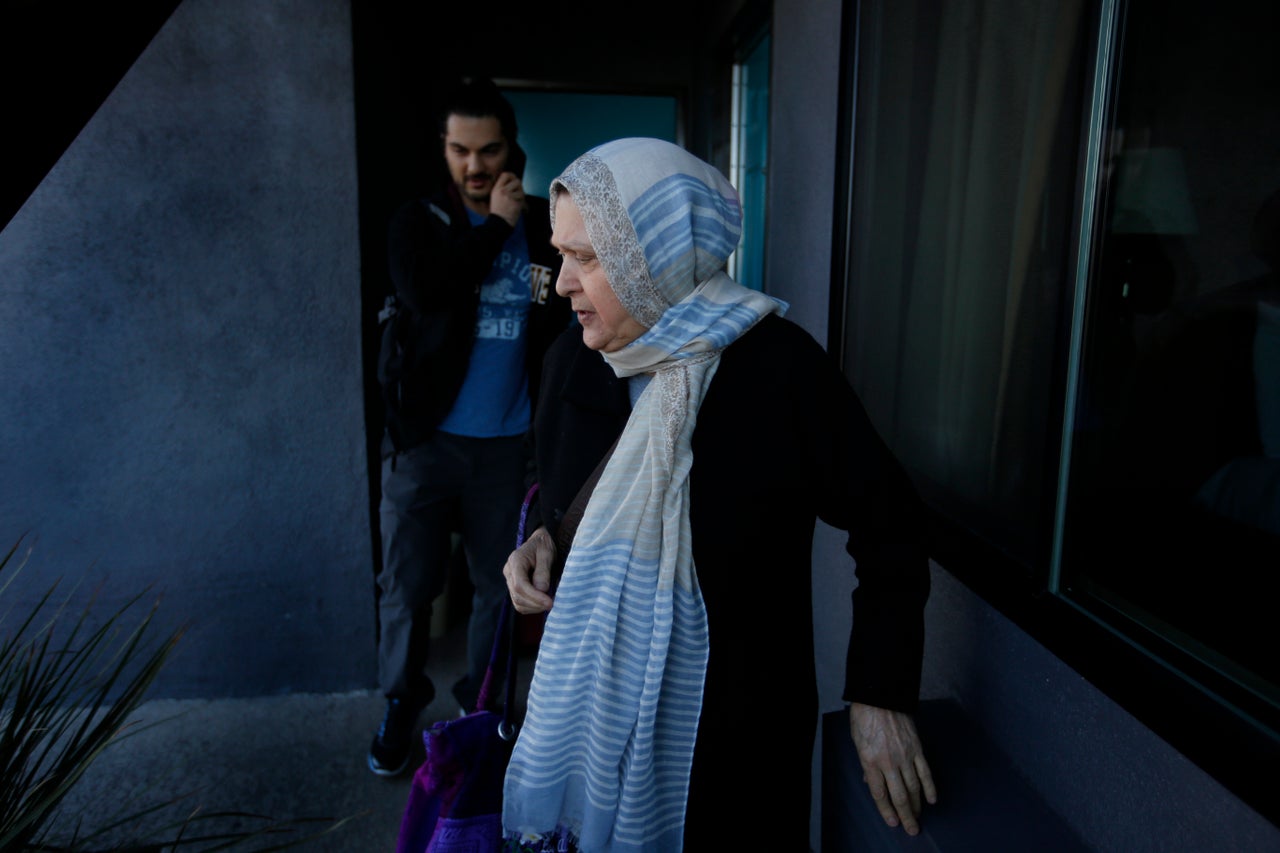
[(455, 803)]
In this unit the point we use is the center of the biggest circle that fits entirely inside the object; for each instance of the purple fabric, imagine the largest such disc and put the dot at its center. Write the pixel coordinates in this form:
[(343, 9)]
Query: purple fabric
[(455, 803)]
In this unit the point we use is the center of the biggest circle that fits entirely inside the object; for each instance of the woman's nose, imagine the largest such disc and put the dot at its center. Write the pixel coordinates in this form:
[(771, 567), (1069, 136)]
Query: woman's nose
[(565, 283)]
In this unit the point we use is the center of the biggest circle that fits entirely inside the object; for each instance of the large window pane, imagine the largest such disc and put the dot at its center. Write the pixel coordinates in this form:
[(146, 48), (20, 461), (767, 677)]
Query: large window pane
[(1174, 497)]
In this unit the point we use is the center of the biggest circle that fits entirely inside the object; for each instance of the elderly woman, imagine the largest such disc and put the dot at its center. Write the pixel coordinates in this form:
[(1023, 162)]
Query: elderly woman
[(686, 441)]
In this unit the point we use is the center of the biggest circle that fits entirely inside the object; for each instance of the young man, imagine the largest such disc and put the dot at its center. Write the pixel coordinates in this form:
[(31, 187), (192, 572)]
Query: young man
[(474, 310)]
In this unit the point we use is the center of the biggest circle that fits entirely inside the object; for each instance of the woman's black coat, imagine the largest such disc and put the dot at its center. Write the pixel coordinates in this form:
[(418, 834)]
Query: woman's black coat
[(780, 441)]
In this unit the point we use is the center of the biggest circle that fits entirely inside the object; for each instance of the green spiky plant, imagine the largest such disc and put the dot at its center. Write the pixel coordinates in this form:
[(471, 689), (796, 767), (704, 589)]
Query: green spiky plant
[(67, 692)]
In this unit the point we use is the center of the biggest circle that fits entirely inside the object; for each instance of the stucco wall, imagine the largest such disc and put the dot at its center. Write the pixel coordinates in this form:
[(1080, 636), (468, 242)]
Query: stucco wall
[(1118, 785), (180, 355)]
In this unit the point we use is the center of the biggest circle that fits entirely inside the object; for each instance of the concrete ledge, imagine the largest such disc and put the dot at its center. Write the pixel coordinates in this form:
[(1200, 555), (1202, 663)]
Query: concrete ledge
[(984, 804)]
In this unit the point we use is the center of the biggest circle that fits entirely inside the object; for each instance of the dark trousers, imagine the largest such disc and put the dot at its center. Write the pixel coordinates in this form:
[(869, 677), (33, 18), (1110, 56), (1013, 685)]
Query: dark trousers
[(448, 483)]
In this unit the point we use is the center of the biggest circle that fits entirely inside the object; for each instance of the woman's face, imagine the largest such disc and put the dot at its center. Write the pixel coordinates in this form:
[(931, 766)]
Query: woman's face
[(606, 326)]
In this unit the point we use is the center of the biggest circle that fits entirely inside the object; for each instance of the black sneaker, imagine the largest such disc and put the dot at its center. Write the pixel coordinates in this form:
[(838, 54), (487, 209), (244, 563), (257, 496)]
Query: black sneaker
[(393, 743)]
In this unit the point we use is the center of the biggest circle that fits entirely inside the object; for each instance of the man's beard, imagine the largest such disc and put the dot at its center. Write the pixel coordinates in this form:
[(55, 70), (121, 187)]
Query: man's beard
[(482, 197)]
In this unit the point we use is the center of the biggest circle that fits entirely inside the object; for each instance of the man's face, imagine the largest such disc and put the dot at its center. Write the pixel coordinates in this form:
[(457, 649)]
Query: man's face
[(476, 152), (606, 325)]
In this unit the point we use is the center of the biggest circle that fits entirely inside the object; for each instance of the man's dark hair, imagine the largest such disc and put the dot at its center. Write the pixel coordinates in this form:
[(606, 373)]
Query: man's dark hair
[(479, 98)]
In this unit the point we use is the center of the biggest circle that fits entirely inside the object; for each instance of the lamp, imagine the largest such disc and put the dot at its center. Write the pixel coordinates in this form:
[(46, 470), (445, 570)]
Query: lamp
[(1152, 205)]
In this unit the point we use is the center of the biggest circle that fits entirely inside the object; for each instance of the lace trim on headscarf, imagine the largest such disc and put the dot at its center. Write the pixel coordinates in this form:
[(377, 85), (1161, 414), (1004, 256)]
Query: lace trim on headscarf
[(590, 183)]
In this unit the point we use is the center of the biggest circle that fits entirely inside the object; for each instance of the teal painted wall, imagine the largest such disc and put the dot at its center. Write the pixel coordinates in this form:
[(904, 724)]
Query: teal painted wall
[(555, 127)]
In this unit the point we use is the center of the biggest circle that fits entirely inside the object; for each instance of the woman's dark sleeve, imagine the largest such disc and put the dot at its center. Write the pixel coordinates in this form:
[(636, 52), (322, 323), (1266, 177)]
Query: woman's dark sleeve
[(865, 491)]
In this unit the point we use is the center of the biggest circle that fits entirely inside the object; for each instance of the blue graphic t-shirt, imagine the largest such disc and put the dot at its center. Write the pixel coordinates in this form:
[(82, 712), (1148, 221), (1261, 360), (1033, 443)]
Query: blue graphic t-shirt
[(494, 400)]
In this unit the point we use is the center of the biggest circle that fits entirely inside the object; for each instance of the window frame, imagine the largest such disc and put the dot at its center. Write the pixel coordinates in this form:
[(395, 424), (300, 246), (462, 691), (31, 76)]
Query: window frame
[(1230, 735), (744, 49)]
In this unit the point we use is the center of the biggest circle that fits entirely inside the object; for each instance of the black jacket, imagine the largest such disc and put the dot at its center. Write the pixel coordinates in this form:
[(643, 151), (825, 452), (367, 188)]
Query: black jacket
[(438, 261), (781, 440)]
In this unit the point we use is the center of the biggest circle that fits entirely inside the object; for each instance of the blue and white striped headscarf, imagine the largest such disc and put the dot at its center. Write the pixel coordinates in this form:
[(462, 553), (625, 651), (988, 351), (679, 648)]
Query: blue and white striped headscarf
[(604, 757)]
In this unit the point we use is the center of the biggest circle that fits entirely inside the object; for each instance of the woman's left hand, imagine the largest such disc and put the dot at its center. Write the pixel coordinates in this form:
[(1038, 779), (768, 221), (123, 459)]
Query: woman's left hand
[(893, 764)]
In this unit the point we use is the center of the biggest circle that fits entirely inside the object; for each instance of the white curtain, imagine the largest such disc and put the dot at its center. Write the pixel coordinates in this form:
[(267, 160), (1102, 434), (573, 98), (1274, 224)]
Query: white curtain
[(955, 277)]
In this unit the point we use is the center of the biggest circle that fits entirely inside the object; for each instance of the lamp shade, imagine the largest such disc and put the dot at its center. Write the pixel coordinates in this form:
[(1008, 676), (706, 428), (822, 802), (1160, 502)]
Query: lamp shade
[(1152, 195)]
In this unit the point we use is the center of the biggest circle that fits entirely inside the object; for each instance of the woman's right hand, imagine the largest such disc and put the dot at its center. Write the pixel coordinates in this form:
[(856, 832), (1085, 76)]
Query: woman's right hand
[(528, 573)]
